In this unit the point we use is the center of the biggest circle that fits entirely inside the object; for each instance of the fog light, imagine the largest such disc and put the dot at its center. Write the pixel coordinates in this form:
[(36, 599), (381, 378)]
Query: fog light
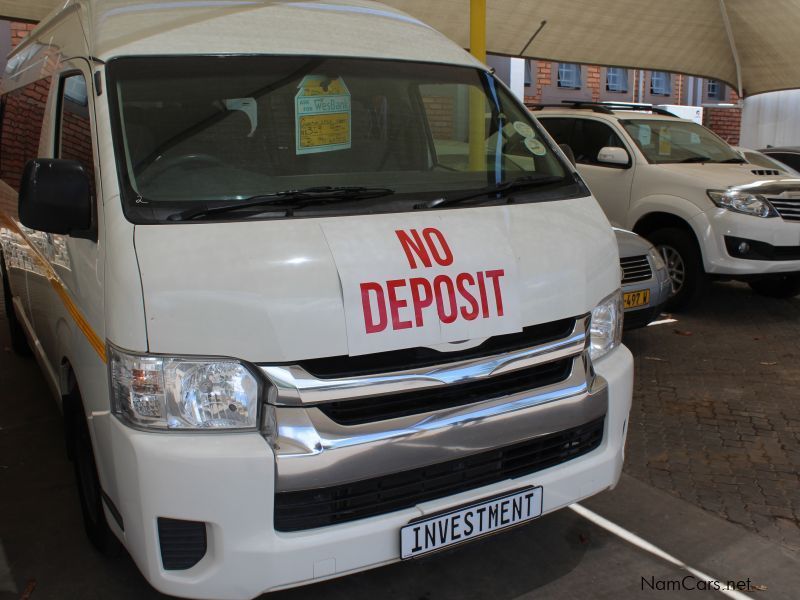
[(743, 248)]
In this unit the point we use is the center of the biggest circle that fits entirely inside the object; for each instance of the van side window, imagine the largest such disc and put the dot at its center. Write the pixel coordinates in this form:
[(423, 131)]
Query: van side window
[(590, 137), (74, 136), (23, 116)]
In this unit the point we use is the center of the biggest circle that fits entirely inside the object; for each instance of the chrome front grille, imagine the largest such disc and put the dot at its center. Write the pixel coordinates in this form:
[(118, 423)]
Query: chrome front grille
[(297, 386), (788, 208), (334, 431), (635, 268)]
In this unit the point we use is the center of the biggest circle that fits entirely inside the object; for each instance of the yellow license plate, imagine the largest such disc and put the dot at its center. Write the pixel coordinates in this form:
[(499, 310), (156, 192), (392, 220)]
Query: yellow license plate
[(634, 299)]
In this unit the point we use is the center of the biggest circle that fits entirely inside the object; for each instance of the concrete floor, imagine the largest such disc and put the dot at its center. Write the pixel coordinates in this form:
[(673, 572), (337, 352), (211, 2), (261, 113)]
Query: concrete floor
[(43, 552)]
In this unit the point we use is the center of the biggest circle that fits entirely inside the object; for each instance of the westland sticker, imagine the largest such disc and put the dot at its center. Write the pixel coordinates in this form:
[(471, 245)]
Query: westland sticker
[(424, 285), (322, 115)]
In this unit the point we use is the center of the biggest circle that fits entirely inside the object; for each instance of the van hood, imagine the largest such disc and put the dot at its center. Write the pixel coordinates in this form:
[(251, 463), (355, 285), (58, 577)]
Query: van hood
[(718, 175), (282, 290)]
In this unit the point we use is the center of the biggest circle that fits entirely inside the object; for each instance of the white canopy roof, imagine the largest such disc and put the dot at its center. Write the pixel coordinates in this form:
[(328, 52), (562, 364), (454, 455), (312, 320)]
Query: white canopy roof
[(699, 37)]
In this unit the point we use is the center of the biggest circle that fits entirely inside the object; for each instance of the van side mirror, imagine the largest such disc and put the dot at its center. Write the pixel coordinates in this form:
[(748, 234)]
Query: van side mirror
[(55, 197), (611, 155), (567, 150)]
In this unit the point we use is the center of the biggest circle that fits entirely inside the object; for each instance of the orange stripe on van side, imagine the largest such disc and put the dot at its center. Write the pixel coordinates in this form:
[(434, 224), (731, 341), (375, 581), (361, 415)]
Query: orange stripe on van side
[(94, 340)]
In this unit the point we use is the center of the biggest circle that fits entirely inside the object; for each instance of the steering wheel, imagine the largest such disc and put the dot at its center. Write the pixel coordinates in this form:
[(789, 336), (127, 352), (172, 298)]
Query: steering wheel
[(194, 160)]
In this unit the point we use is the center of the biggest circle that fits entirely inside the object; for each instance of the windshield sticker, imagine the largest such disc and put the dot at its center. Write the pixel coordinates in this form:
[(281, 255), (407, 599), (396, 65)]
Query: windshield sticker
[(322, 115), (535, 146), (524, 129), (664, 142), (429, 281)]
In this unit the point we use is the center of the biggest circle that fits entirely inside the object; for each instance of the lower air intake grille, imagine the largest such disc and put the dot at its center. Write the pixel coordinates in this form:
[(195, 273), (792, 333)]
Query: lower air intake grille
[(307, 509), (183, 543), (635, 268)]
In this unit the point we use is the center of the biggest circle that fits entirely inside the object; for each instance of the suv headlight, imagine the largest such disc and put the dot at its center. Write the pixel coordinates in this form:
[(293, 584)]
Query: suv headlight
[(182, 393), (658, 261), (743, 202), (605, 332)]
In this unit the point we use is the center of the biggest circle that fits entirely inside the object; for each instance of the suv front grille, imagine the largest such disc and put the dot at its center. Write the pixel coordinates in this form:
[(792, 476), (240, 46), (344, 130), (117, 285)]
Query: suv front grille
[(307, 509), (391, 406), (788, 208), (635, 268)]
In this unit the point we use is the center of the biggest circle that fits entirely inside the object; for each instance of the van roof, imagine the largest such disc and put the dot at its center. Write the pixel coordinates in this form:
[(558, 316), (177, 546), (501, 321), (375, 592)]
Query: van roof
[(355, 28)]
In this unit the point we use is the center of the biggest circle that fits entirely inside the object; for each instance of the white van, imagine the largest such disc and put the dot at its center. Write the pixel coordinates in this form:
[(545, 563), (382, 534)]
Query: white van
[(711, 214), (300, 325)]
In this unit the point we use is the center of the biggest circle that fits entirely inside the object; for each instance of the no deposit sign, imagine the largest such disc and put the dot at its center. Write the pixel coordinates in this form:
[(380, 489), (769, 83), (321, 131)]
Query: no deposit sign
[(423, 281)]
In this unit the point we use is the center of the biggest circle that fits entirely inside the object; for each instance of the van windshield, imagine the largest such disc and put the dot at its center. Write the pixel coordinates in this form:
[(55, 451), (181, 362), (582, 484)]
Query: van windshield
[(674, 141), (211, 131)]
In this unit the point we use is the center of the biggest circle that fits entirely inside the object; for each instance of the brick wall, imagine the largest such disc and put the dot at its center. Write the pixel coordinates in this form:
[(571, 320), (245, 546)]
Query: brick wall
[(593, 81), (19, 31), (725, 122), (23, 115), (440, 116), (542, 77)]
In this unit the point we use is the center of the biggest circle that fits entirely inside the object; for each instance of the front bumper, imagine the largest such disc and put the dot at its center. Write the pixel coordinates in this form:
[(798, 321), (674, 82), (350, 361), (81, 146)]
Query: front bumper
[(228, 482), (660, 287), (713, 226)]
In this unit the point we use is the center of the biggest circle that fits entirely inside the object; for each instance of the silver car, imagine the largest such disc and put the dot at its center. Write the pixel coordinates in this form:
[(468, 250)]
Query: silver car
[(646, 285)]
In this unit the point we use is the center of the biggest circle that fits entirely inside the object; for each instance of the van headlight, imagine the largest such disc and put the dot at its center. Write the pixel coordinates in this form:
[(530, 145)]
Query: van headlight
[(605, 332), (182, 393), (743, 202)]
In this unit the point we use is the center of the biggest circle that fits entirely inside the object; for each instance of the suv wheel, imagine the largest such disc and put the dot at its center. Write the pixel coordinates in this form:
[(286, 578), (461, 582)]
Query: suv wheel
[(19, 343), (779, 286), (679, 250)]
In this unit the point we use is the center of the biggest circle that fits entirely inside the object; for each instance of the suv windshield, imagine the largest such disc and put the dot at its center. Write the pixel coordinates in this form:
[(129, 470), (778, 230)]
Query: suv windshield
[(193, 133), (668, 141)]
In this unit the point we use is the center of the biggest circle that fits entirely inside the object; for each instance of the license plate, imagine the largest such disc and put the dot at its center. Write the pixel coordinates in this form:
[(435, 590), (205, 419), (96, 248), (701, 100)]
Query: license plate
[(467, 523), (638, 298)]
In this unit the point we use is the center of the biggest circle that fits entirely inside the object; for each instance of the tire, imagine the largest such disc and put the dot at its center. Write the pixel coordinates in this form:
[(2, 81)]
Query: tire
[(778, 286), (87, 481), (680, 252), (19, 341)]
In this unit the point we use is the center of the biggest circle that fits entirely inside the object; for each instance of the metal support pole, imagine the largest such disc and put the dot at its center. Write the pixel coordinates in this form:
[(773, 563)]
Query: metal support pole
[(477, 109)]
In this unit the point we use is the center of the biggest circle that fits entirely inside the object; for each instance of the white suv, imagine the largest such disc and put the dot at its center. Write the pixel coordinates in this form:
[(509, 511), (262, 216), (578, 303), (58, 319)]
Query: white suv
[(710, 213)]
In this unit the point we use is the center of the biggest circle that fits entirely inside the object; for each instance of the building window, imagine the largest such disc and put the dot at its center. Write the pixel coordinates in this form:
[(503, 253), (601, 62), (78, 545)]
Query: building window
[(713, 89), (528, 76), (569, 76), (616, 79), (660, 84)]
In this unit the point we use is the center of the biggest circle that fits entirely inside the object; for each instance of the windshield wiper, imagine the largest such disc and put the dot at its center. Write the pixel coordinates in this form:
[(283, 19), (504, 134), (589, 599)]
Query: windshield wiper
[(288, 200), (696, 159), (499, 189), (733, 160)]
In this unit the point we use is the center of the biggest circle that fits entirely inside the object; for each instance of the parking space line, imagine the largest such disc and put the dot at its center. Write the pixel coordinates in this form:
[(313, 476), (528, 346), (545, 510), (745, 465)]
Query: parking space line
[(634, 539)]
